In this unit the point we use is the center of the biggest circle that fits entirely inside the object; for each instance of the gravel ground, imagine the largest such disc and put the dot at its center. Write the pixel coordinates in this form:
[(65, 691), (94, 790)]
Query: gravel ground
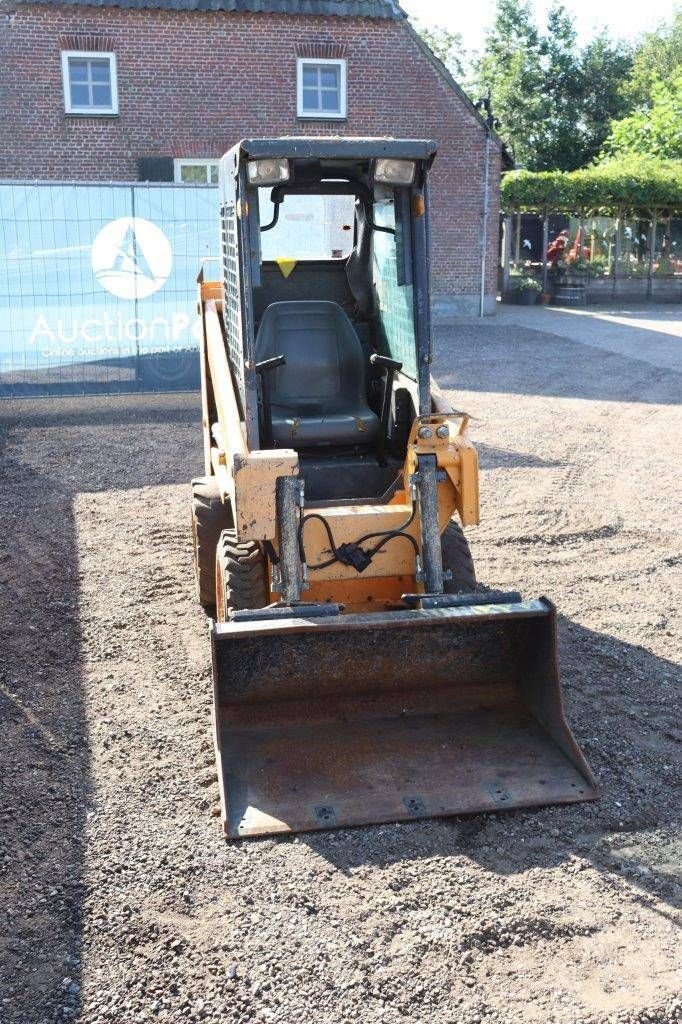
[(121, 901)]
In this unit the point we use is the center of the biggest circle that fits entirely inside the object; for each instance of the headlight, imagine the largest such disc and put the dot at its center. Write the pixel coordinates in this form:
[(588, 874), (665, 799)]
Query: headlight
[(395, 172), (267, 172)]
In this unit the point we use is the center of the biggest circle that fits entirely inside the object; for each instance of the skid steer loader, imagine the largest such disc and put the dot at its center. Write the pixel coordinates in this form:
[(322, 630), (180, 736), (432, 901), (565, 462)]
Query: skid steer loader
[(359, 674)]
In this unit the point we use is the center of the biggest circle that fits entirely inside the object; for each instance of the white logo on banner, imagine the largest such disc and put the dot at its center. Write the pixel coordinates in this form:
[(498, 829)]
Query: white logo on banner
[(131, 258)]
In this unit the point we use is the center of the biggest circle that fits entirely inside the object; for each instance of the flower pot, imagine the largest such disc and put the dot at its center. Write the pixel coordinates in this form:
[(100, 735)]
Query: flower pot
[(570, 295), (528, 297), (573, 278)]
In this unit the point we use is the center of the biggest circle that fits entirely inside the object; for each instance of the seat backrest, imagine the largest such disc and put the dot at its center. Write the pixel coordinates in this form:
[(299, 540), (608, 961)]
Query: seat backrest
[(325, 362)]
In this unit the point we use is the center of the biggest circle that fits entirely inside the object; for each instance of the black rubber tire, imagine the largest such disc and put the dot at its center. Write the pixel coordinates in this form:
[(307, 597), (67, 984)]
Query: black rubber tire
[(457, 557), (209, 518), (239, 576)]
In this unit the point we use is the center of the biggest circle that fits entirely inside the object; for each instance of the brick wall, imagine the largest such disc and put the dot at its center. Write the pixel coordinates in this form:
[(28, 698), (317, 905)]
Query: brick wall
[(192, 84)]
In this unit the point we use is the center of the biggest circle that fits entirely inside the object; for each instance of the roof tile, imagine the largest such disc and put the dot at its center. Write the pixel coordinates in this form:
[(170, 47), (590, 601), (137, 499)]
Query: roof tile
[(341, 8)]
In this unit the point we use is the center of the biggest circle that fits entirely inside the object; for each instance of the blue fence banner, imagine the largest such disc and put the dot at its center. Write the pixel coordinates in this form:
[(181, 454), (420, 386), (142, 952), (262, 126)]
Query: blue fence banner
[(98, 286)]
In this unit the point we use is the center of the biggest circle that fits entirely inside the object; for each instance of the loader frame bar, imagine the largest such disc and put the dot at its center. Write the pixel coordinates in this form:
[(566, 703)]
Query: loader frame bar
[(414, 617)]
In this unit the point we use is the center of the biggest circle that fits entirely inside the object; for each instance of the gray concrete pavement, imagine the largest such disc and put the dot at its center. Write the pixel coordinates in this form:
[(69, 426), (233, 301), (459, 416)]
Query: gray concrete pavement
[(649, 333)]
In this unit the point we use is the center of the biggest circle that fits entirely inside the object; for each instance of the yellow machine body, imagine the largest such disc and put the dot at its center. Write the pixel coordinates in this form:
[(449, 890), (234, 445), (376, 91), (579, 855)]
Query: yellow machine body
[(357, 677)]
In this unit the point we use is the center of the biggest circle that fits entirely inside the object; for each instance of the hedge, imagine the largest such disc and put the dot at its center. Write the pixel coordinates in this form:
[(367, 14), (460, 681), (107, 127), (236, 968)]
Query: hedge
[(633, 185)]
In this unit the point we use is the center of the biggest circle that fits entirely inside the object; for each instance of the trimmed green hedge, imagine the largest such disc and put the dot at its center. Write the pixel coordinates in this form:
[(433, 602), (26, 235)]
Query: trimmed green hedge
[(633, 184)]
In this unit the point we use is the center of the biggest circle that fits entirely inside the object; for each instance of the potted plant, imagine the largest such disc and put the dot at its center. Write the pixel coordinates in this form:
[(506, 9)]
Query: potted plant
[(526, 289), (599, 267), (572, 273)]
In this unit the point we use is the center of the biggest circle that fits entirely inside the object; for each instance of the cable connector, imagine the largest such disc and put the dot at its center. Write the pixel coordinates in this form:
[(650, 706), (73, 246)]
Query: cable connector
[(354, 555)]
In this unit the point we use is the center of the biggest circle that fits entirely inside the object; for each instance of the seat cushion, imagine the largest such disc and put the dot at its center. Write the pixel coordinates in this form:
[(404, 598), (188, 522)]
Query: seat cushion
[(319, 396), (324, 429)]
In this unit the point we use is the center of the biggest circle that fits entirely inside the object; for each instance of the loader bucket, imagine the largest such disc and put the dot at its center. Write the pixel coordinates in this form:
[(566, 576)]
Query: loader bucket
[(358, 719)]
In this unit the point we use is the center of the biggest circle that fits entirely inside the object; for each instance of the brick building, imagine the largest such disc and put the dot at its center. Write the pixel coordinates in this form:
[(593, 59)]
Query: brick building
[(159, 89)]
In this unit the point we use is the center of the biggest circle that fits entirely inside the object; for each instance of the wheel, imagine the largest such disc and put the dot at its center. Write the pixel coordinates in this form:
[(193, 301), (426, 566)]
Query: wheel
[(457, 558), (209, 518), (240, 580)]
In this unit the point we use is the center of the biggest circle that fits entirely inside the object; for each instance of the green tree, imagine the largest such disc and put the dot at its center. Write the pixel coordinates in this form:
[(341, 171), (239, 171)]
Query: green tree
[(560, 107), (604, 68), (553, 100), (446, 46), (511, 69), (655, 128), (559, 143), (657, 58)]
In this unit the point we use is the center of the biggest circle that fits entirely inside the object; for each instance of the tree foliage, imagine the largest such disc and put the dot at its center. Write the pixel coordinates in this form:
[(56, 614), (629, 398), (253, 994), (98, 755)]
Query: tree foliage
[(654, 128), (657, 58), (446, 46), (559, 144), (604, 68), (556, 102), (563, 107), (510, 69), (629, 184)]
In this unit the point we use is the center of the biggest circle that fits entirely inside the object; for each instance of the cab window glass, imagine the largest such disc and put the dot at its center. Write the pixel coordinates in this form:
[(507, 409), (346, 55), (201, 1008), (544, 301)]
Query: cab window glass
[(394, 297), (308, 228)]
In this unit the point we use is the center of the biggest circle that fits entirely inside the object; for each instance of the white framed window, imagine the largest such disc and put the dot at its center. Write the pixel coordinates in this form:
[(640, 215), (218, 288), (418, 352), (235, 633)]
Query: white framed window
[(193, 171), (321, 89), (90, 82)]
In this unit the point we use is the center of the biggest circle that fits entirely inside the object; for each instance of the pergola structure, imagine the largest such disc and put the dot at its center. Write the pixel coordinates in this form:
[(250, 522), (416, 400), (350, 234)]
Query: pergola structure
[(634, 187)]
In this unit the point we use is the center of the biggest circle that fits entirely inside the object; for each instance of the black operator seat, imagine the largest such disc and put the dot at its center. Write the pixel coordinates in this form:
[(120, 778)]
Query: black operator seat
[(319, 396)]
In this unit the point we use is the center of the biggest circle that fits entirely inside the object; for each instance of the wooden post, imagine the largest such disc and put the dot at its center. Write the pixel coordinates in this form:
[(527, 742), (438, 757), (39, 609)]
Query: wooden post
[(545, 246), (616, 250), (593, 236), (506, 253), (653, 224), (517, 256)]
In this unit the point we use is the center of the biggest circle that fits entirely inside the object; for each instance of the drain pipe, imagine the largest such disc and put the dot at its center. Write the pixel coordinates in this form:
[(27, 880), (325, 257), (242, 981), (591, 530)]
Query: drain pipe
[(486, 208), (489, 123)]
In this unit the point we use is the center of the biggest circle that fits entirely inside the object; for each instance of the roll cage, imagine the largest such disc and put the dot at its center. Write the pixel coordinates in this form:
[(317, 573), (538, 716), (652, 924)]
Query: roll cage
[(326, 167)]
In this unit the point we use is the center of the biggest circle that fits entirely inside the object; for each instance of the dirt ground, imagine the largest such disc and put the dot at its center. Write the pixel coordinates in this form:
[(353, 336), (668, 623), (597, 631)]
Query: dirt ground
[(121, 901)]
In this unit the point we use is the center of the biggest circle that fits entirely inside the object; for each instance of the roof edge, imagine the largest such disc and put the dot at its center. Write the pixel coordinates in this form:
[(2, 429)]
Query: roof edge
[(457, 89), (381, 10), (344, 146)]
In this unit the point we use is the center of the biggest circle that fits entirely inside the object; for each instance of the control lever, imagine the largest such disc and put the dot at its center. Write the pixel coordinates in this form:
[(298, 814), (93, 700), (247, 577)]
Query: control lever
[(391, 366), (270, 364), (263, 369)]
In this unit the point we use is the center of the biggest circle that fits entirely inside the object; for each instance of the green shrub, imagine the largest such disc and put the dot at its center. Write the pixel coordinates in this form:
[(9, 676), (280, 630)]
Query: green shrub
[(523, 283), (630, 184)]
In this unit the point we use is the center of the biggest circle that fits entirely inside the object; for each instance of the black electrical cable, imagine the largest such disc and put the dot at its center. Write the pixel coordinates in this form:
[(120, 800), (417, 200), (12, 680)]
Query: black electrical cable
[(398, 529), (392, 536), (385, 538), (301, 548), (271, 553)]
